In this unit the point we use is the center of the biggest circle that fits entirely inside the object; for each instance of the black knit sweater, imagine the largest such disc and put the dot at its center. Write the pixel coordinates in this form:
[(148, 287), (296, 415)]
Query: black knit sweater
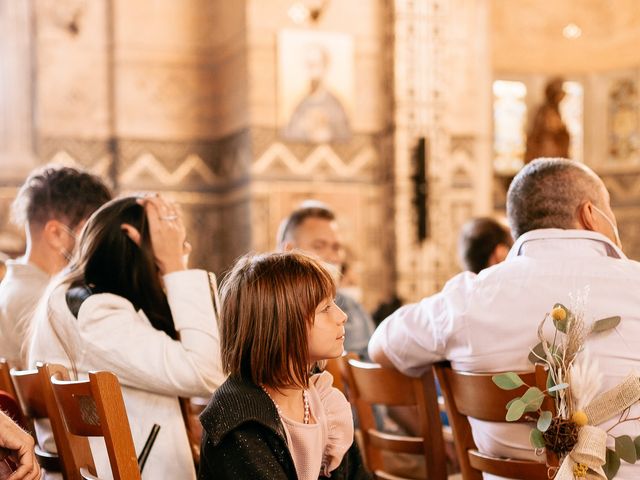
[(244, 439)]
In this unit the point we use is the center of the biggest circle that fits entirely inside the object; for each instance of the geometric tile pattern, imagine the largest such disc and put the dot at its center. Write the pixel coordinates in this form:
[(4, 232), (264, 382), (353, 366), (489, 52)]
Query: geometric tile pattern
[(279, 157)]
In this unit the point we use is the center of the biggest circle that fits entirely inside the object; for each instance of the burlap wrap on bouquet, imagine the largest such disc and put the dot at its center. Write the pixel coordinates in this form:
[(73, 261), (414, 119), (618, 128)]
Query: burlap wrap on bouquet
[(591, 448), (614, 401)]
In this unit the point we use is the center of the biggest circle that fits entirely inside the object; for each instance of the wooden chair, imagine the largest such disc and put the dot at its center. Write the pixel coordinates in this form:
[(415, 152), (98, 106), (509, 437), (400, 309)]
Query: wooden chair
[(475, 395), (95, 408), (337, 368), (37, 402), (372, 384), (6, 385)]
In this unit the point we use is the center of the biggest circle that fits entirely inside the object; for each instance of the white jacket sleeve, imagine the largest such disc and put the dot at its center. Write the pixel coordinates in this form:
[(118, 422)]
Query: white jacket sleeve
[(117, 338)]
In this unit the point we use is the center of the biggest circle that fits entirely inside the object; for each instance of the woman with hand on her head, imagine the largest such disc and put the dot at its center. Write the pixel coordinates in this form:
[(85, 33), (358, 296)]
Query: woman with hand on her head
[(128, 304), (272, 419)]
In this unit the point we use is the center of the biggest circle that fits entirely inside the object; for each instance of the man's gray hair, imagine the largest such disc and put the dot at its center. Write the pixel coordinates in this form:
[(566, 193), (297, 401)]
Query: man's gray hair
[(548, 192)]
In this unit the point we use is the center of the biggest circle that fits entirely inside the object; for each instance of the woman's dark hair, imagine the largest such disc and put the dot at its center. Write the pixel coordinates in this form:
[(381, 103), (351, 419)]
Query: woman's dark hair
[(108, 261)]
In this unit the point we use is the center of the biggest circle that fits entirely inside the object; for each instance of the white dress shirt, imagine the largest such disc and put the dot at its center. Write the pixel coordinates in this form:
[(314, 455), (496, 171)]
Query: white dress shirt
[(20, 292), (153, 369), (488, 322)]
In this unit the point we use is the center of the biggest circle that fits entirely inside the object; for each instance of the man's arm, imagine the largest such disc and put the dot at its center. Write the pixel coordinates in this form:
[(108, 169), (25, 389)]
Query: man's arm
[(376, 353), (417, 335), (21, 444)]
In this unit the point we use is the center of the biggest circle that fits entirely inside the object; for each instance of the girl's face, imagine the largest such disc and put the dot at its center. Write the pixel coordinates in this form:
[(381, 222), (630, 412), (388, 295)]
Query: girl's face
[(326, 335)]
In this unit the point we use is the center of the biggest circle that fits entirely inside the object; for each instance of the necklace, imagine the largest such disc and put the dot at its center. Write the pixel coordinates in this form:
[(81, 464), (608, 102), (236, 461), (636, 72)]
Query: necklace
[(305, 399)]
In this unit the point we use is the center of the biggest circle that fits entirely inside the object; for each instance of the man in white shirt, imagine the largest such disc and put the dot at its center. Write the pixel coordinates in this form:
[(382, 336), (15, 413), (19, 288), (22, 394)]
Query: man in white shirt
[(567, 246), (52, 206)]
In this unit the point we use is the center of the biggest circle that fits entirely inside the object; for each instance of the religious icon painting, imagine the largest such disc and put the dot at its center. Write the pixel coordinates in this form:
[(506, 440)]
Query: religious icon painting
[(315, 86)]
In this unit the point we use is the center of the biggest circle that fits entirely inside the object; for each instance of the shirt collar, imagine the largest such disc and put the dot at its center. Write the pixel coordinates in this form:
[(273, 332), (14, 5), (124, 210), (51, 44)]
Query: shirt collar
[(599, 241), (20, 267)]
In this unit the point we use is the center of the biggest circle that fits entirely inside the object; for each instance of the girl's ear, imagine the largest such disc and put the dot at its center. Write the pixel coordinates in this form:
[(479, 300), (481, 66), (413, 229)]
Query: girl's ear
[(132, 232)]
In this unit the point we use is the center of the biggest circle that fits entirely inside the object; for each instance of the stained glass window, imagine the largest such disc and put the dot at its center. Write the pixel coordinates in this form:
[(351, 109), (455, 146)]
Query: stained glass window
[(509, 120)]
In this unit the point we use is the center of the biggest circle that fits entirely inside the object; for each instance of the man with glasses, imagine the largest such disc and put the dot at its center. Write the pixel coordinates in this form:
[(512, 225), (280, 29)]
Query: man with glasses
[(52, 206)]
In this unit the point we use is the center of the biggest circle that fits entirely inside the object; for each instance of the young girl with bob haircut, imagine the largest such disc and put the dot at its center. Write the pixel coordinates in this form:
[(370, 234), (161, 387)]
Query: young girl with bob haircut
[(128, 304), (272, 419)]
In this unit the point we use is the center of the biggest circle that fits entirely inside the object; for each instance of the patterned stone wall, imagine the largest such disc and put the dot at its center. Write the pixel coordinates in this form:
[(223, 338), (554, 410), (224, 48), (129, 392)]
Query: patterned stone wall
[(351, 176), (151, 95), (441, 61)]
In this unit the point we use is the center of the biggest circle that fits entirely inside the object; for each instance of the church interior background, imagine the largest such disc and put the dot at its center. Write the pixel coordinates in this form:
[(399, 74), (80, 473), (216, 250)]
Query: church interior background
[(408, 117)]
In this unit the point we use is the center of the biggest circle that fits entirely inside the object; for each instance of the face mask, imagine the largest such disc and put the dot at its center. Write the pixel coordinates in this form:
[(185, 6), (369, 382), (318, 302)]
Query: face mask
[(613, 225)]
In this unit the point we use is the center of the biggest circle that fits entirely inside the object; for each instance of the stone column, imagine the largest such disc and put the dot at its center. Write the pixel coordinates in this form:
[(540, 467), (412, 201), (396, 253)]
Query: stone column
[(442, 93)]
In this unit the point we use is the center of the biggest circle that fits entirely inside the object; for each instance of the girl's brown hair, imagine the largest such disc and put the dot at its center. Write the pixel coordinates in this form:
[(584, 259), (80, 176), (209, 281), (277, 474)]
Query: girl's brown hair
[(268, 304)]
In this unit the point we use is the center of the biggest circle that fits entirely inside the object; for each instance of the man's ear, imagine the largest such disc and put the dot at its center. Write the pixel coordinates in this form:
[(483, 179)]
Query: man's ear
[(132, 232), (586, 216), (52, 232)]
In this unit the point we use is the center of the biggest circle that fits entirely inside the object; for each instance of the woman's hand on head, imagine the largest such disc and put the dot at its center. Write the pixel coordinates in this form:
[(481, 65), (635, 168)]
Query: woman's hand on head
[(167, 232)]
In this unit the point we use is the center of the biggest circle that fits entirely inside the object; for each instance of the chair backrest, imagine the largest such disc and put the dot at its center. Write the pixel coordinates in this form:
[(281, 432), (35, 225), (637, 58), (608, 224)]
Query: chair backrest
[(337, 367), (38, 402), (475, 395), (6, 385), (370, 384), (95, 408)]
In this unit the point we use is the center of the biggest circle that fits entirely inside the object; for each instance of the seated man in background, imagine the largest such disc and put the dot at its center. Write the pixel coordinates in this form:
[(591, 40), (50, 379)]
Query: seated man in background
[(566, 242), (312, 228), (52, 206), (482, 243)]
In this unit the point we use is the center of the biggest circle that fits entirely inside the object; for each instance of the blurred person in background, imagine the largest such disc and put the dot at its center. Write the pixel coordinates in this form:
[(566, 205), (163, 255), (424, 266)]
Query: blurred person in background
[(483, 242), (52, 206)]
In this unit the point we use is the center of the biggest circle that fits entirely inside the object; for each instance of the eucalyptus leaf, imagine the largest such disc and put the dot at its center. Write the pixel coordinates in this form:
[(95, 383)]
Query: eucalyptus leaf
[(612, 464), (536, 439), (605, 324), (636, 442), (507, 381), (626, 449), (550, 385), (516, 409), (510, 402), (536, 354), (544, 421), (560, 386), (561, 325), (532, 399)]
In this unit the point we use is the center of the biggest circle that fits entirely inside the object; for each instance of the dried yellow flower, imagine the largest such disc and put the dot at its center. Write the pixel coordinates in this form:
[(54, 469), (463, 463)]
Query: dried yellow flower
[(579, 418), (580, 470), (558, 314)]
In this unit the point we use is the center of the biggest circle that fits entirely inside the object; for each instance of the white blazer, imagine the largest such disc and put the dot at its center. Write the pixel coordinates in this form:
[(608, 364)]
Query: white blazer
[(153, 369)]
